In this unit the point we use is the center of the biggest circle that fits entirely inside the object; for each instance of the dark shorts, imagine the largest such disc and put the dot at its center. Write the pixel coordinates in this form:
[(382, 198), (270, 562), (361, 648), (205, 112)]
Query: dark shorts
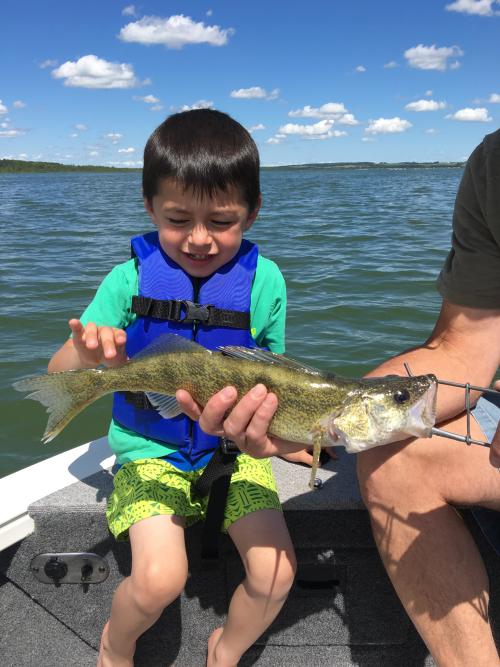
[(487, 415)]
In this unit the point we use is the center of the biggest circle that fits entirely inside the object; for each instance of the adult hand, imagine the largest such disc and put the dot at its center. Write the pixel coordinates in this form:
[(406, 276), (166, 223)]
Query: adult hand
[(98, 345), (246, 423), (495, 443)]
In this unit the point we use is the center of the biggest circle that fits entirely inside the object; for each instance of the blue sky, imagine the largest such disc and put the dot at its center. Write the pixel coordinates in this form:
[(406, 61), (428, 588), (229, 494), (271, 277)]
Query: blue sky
[(322, 81)]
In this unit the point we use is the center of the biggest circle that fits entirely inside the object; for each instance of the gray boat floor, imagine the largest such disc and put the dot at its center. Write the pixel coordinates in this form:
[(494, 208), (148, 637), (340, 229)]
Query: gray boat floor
[(357, 622)]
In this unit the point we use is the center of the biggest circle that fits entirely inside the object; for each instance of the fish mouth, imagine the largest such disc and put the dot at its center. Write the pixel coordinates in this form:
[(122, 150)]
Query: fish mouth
[(423, 413)]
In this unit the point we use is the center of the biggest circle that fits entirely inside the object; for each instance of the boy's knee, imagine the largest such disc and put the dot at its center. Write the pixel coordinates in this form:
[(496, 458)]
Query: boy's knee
[(156, 587), (272, 577)]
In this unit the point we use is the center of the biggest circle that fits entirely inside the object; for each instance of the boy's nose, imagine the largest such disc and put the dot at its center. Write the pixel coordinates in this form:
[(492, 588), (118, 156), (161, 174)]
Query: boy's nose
[(200, 236)]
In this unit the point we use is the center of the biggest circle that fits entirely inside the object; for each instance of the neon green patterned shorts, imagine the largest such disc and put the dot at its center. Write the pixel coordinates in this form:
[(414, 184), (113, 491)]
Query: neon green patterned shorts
[(148, 487)]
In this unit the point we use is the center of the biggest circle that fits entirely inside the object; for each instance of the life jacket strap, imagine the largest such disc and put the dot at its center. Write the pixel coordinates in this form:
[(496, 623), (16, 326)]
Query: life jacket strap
[(188, 311), (215, 480)]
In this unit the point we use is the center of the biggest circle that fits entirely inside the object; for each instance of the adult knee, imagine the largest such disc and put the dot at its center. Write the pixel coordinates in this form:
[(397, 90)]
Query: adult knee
[(155, 587), (385, 475)]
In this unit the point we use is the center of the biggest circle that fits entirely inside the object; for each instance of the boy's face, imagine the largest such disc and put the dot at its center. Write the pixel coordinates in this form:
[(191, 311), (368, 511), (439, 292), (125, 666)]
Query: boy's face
[(201, 235)]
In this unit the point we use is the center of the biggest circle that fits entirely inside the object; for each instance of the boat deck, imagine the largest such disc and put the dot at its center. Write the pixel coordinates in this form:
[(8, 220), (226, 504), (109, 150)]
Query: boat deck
[(341, 611)]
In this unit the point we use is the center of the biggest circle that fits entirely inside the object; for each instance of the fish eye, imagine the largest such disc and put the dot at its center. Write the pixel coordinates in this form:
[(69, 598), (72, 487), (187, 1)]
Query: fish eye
[(402, 395)]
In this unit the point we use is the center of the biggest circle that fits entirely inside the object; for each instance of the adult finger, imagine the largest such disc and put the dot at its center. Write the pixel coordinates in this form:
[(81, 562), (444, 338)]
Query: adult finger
[(212, 417), (188, 405), (495, 449)]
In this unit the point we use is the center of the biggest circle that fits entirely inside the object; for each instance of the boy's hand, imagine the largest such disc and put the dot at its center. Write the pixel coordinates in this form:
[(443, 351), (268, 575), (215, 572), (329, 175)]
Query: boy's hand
[(246, 424), (98, 345)]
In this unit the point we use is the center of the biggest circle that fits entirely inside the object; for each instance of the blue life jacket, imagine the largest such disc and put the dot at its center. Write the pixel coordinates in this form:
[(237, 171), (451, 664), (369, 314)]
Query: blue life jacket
[(162, 279)]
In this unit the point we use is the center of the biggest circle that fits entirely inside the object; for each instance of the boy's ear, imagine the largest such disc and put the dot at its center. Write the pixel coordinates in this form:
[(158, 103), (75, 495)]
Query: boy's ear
[(149, 208), (253, 215)]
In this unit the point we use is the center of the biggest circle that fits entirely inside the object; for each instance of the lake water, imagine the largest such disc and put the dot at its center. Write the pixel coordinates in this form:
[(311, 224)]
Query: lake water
[(360, 250)]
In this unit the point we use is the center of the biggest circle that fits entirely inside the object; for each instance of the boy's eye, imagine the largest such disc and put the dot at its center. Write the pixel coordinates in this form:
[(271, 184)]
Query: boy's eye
[(177, 221), (222, 223)]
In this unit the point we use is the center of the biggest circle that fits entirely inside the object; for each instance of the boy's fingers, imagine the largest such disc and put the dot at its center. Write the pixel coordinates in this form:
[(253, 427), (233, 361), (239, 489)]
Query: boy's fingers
[(189, 406), (107, 340), (90, 336), (238, 420), (212, 417)]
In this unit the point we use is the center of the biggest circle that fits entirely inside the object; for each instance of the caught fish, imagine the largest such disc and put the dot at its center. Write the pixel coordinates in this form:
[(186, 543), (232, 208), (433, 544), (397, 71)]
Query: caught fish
[(314, 407)]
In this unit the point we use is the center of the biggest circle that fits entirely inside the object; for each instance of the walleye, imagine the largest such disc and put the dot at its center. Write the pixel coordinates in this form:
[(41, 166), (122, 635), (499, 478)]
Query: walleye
[(314, 407)]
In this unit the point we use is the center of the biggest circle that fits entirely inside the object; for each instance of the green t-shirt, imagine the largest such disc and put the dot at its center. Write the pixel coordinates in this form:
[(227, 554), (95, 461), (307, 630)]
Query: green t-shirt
[(111, 306), (471, 273)]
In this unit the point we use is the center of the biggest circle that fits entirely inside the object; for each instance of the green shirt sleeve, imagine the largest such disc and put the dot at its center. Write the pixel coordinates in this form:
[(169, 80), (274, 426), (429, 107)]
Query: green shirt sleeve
[(111, 305), (471, 273), (268, 306)]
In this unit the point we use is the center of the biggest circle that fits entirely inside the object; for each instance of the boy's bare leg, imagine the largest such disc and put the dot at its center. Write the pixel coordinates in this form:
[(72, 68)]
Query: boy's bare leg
[(429, 554), (154, 583), (267, 553)]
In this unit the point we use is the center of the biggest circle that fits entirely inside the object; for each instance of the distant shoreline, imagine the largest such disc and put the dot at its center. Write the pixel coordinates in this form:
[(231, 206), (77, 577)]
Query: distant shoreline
[(25, 166)]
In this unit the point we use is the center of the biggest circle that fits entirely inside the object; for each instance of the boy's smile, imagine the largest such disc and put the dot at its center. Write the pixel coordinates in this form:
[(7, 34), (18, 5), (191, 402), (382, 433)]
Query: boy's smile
[(200, 233)]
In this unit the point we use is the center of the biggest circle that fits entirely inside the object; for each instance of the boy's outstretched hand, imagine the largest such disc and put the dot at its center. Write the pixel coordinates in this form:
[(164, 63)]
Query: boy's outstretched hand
[(246, 423), (98, 345), (90, 346)]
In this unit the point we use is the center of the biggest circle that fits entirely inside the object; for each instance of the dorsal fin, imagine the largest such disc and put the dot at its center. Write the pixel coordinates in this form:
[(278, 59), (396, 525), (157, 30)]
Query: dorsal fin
[(170, 343), (254, 354)]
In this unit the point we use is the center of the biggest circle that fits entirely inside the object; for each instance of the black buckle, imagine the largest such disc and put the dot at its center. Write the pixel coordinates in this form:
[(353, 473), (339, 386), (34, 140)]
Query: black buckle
[(228, 446), (195, 312)]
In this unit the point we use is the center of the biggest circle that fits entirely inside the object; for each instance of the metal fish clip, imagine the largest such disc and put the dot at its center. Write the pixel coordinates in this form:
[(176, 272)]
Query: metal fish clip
[(468, 439)]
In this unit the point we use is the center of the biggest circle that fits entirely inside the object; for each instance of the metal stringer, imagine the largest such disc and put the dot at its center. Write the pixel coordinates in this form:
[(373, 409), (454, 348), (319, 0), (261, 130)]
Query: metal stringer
[(468, 439)]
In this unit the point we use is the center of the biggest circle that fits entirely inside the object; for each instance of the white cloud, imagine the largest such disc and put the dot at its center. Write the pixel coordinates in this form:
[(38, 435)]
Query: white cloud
[(156, 107), (254, 92), (277, 139), (360, 68), (10, 133), (391, 64), (428, 93), (479, 7), (174, 33), (129, 10), (479, 114), (93, 72), (425, 105), (494, 98), (148, 99), (330, 110), (320, 130), (94, 153), (74, 135), (114, 137), (126, 150), (368, 140), (430, 130), (255, 128), (3, 109), (431, 57), (387, 126), (19, 104), (47, 63), (81, 127), (200, 104), (209, 12)]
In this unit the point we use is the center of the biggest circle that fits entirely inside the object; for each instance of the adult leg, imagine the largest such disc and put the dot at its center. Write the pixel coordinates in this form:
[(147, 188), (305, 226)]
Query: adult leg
[(410, 491), (159, 572), (265, 547)]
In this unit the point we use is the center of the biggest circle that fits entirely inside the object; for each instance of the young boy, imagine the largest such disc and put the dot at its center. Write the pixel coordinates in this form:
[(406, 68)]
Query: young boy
[(201, 191)]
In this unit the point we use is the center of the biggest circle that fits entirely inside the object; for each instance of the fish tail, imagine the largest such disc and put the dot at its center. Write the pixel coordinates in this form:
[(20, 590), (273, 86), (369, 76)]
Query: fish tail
[(64, 395)]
